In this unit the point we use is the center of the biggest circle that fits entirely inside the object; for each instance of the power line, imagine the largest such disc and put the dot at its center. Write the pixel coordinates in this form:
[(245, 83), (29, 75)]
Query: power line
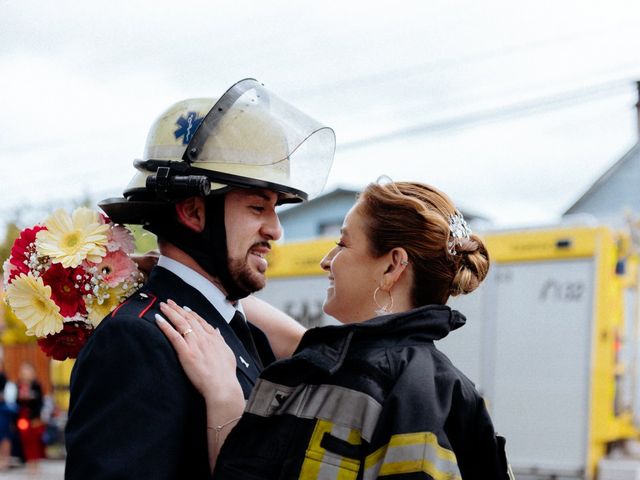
[(529, 107), (446, 63)]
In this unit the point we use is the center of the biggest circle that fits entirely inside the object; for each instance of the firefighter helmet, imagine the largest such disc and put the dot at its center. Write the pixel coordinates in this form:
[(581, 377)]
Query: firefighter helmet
[(249, 138)]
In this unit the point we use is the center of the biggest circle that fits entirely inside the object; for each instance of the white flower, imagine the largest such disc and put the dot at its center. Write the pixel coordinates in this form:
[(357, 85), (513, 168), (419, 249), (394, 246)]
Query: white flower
[(71, 240), (30, 300)]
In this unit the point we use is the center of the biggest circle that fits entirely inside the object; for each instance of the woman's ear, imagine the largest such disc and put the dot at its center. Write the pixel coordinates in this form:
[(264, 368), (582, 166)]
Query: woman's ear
[(191, 213), (398, 260)]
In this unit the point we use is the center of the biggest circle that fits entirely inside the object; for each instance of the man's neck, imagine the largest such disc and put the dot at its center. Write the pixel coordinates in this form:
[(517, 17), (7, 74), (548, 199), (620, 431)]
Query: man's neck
[(178, 255)]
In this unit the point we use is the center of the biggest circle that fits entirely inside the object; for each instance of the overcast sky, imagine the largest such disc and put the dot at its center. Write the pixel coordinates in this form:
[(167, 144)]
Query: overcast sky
[(512, 107)]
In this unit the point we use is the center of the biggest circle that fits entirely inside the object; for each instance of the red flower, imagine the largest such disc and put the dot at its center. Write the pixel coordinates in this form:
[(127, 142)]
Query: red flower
[(64, 292), (22, 249), (66, 343)]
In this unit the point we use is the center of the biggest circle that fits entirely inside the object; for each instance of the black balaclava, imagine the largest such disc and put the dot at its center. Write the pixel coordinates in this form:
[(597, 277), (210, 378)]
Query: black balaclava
[(208, 248)]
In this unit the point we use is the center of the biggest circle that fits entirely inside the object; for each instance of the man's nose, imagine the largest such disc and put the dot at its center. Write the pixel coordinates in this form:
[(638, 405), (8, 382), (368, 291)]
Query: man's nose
[(272, 228)]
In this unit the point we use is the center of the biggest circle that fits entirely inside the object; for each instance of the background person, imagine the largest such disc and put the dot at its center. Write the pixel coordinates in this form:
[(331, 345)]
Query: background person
[(29, 422), (373, 398), (7, 423)]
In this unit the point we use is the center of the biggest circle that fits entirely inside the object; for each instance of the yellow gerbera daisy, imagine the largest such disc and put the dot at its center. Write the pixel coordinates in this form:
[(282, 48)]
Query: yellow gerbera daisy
[(111, 298), (30, 300), (70, 240)]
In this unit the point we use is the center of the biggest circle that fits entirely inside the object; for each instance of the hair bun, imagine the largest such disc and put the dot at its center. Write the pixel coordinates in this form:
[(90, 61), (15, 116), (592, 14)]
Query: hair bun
[(466, 245), (473, 266)]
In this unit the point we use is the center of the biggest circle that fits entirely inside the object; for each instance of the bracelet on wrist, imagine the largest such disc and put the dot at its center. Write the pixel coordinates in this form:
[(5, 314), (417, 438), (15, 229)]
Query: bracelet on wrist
[(219, 428)]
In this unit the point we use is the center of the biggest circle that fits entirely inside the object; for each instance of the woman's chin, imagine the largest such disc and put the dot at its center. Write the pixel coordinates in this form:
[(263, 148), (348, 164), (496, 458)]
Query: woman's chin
[(332, 312), (328, 308)]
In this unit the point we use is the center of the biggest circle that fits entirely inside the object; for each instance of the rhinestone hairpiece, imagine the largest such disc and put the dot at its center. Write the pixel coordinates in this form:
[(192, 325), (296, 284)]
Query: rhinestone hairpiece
[(459, 230)]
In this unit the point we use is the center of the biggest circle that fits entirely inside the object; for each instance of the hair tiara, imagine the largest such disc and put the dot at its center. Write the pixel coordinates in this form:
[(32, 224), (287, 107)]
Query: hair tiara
[(459, 230)]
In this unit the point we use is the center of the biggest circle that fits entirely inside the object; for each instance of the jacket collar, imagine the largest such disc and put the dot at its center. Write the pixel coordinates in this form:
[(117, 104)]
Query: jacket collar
[(326, 347)]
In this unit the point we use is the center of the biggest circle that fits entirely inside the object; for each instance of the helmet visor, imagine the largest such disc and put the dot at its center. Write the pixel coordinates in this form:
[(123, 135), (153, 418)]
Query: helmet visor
[(252, 134)]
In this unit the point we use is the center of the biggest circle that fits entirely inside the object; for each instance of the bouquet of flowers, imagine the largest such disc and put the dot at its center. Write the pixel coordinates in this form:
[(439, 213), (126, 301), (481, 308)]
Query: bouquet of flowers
[(64, 276)]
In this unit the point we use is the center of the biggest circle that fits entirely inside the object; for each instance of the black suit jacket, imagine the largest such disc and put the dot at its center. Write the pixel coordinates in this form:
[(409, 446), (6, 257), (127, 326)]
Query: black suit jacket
[(133, 412)]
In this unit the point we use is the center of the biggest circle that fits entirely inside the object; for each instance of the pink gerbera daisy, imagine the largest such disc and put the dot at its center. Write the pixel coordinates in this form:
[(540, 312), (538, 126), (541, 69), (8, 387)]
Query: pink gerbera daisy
[(115, 268)]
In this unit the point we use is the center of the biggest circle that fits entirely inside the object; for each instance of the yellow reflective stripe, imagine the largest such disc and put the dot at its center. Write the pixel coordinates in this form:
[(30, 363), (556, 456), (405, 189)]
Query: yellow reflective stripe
[(418, 466), (426, 438), (346, 472), (375, 458), (311, 466), (354, 437), (320, 464), (410, 453)]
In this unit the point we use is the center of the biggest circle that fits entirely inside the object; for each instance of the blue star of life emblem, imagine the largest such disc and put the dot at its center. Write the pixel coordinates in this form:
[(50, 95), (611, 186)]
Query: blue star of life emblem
[(188, 125)]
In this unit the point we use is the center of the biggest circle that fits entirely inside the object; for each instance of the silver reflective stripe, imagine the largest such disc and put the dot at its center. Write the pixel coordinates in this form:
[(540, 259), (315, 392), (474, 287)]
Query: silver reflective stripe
[(337, 469), (341, 432), (411, 453), (339, 405)]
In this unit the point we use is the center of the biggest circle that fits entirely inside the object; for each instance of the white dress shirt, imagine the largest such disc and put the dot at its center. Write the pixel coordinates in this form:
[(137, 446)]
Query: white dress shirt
[(204, 286)]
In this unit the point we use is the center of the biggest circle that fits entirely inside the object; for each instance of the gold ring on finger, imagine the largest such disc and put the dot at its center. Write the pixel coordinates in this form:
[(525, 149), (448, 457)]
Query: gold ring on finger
[(187, 332)]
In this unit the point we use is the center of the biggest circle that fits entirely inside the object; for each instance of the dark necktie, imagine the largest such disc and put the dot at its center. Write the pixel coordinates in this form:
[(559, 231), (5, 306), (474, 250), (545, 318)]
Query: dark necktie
[(241, 329)]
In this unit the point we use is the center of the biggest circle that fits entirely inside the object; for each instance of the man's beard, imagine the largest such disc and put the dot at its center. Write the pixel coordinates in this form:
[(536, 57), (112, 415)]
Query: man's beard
[(245, 278)]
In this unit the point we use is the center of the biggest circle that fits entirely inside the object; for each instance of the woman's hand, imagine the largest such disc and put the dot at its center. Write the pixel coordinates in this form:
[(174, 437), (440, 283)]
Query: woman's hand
[(210, 365), (207, 360)]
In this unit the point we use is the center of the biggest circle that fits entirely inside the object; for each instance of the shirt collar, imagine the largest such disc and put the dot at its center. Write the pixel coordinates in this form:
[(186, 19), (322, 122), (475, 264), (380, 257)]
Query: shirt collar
[(210, 291)]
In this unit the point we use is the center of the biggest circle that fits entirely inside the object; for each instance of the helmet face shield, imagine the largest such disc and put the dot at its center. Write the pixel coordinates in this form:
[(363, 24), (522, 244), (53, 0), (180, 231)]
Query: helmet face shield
[(253, 138)]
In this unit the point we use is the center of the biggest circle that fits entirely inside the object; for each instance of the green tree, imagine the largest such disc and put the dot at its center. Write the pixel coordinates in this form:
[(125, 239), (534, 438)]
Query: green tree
[(145, 241), (5, 247)]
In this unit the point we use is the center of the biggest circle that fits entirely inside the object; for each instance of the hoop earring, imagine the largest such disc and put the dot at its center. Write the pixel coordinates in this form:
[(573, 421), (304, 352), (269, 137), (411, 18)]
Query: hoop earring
[(383, 309)]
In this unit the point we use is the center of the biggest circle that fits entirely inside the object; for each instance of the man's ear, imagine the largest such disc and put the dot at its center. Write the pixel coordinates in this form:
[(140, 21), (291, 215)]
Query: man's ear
[(396, 265), (191, 213)]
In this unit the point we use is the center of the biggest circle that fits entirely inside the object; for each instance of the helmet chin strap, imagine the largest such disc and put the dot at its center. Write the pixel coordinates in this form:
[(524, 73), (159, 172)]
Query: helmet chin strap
[(208, 248)]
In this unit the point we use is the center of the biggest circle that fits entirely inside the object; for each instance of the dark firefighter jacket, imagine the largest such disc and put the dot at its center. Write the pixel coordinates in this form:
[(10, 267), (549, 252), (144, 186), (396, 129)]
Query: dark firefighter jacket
[(134, 414), (365, 401)]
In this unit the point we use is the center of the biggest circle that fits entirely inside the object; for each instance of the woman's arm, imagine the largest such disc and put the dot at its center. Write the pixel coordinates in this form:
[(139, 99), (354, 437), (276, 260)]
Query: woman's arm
[(210, 365), (284, 333)]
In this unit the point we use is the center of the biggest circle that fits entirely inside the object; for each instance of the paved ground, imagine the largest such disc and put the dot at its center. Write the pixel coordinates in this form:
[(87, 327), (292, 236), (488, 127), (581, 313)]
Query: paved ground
[(48, 470)]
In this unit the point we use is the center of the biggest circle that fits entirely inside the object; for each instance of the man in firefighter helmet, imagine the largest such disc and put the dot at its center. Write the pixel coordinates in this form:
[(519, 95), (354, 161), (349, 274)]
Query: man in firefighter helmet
[(208, 184)]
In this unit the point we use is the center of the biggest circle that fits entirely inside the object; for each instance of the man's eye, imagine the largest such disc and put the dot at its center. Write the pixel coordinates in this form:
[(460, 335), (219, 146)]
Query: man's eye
[(257, 208)]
